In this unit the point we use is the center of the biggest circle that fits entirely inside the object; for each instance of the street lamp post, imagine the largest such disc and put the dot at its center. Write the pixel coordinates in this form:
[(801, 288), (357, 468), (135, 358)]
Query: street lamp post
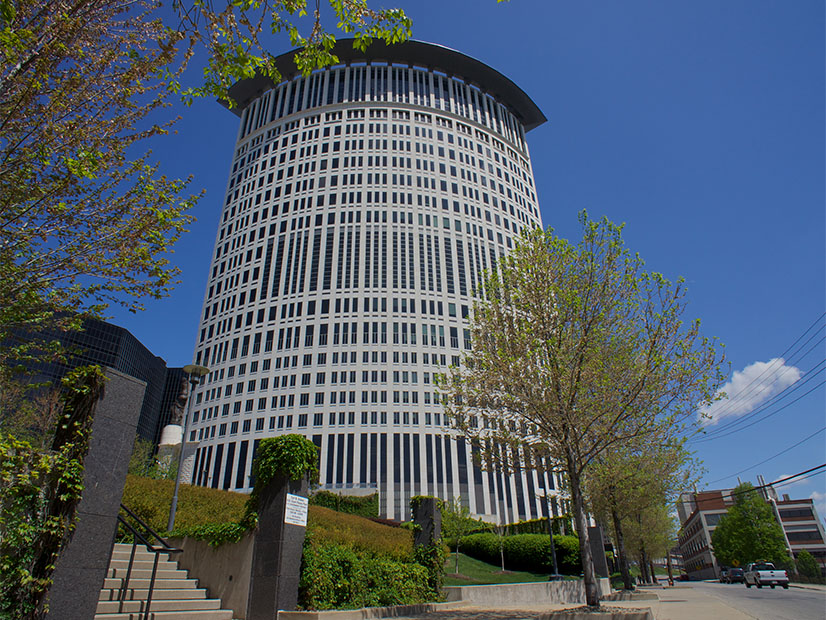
[(195, 373), (555, 576)]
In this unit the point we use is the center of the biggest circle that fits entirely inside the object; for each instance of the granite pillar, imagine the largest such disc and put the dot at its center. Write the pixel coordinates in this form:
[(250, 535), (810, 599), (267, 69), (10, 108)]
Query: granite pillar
[(276, 555), (428, 517), (598, 551), (81, 568)]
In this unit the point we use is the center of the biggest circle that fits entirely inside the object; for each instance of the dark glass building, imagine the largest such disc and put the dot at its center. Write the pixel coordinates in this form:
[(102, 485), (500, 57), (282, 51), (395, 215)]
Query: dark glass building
[(109, 345)]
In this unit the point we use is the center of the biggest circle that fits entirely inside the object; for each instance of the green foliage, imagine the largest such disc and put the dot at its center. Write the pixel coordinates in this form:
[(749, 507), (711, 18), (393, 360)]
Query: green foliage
[(540, 526), (39, 493), (291, 456), (362, 505), (231, 37), (359, 533), (142, 462), (416, 501), (432, 558), (335, 576), (287, 455), (526, 552), (197, 506), (808, 567), (749, 532), (216, 534)]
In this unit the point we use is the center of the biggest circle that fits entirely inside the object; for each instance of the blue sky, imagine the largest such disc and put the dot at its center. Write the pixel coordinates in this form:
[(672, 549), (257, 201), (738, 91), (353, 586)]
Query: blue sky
[(699, 124)]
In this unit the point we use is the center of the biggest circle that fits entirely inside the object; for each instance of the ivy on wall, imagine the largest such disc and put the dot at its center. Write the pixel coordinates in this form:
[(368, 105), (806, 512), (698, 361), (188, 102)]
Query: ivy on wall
[(39, 493)]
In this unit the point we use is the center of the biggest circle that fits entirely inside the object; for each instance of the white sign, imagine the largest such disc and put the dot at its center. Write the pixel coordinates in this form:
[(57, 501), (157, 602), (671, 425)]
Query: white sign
[(295, 512)]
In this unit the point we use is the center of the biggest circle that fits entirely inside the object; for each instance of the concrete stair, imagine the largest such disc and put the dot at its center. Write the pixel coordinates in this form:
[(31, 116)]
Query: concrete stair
[(174, 597)]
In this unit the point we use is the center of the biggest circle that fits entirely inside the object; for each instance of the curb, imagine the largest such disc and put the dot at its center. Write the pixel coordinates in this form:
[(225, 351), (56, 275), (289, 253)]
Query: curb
[(613, 614), (367, 613)]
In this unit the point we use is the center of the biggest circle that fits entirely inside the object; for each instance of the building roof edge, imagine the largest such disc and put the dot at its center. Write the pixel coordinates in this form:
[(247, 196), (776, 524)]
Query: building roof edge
[(411, 53)]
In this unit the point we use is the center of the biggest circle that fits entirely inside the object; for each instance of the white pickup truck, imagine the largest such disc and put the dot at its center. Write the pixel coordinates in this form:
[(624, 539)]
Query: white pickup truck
[(765, 574)]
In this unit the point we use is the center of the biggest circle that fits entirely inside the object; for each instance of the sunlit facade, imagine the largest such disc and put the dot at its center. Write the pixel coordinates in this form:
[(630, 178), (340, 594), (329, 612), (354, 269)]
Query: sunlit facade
[(363, 203)]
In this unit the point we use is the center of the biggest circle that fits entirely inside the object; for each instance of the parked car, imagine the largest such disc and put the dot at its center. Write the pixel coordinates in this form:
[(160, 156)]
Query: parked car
[(723, 575), (735, 575), (765, 574)]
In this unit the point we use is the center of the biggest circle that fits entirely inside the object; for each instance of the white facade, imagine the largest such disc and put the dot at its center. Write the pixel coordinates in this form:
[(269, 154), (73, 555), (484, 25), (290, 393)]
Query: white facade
[(363, 203)]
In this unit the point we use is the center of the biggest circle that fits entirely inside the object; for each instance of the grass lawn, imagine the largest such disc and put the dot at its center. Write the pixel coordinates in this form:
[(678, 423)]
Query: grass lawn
[(475, 572)]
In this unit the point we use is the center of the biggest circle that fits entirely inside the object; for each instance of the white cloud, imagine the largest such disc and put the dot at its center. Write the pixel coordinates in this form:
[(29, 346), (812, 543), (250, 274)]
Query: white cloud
[(788, 485), (820, 503), (749, 388)]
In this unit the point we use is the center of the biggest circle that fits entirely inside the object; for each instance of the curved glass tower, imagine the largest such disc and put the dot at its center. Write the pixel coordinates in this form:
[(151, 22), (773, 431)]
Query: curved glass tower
[(363, 203)]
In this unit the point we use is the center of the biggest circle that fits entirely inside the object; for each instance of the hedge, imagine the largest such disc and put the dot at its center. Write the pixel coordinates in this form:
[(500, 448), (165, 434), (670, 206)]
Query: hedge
[(150, 500), (364, 506), (348, 562), (526, 552), (336, 576)]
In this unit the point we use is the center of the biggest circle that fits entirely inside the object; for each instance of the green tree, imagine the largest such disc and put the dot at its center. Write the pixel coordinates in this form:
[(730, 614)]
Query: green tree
[(808, 567), (84, 222), (81, 224), (749, 531), (457, 523), (142, 462), (626, 484), (578, 350), (650, 535)]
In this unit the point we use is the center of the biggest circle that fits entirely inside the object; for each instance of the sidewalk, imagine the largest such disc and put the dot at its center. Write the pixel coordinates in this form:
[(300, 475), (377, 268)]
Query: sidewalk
[(682, 602)]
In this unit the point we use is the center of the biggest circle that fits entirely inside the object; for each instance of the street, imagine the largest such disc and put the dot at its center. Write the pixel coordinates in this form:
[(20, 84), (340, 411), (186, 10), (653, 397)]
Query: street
[(767, 604)]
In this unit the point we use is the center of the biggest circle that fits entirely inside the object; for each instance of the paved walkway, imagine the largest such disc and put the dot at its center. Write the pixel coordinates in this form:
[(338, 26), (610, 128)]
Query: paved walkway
[(681, 602)]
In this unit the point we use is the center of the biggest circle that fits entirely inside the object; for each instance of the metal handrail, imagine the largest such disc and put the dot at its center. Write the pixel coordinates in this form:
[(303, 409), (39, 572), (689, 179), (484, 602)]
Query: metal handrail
[(152, 548)]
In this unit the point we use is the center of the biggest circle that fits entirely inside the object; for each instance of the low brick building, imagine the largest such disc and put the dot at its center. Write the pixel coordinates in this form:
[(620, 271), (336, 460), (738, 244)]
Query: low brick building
[(700, 513)]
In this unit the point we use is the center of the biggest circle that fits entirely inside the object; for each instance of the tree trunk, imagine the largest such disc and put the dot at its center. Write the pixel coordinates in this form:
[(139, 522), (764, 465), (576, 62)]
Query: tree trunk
[(591, 590), (623, 558), (457, 557), (502, 552), (653, 572), (644, 566)]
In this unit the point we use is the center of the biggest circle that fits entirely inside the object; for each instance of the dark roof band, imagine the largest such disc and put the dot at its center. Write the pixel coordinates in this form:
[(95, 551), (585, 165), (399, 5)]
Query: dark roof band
[(410, 53)]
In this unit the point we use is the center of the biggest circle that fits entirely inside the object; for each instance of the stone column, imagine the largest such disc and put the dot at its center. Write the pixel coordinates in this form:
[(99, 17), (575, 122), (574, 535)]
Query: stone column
[(276, 556), (428, 517), (82, 566), (598, 551)]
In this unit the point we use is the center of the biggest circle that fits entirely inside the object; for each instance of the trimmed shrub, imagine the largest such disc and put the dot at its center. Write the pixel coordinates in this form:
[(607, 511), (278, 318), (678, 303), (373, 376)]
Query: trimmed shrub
[(335, 576), (150, 500), (364, 506), (358, 533), (526, 552)]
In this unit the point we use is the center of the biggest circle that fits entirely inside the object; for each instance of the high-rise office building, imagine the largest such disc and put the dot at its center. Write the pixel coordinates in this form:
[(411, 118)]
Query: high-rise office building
[(108, 345), (364, 202)]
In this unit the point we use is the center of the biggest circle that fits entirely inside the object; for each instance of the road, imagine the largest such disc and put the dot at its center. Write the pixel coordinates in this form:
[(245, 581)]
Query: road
[(768, 604)]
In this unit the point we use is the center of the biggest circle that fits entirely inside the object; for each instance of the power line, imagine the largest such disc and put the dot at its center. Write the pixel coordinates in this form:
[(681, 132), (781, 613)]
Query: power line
[(745, 391), (729, 427), (765, 417), (771, 457), (787, 480), (793, 386)]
